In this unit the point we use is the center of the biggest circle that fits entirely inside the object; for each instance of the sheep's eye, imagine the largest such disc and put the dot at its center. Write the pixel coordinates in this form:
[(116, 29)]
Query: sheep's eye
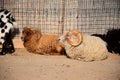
[(28, 33), (22, 31)]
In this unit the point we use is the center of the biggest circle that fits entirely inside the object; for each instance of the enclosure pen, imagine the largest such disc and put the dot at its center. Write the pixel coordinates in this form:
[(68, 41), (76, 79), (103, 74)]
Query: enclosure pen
[(59, 16), (61, 40)]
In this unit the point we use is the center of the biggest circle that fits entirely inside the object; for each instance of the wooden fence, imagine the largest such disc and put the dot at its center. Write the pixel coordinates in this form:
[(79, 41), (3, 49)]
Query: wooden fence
[(58, 16)]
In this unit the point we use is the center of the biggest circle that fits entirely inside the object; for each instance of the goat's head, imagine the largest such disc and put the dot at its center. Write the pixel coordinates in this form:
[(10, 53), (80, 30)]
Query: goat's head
[(28, 34), (74, 38)]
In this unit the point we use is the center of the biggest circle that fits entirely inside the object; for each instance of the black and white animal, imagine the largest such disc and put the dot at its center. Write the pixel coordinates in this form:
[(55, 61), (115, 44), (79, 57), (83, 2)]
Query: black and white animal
[(7, 22), (112, 38)]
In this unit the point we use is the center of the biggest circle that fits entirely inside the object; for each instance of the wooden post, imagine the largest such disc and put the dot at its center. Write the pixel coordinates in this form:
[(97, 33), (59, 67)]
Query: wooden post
[(63, 15)]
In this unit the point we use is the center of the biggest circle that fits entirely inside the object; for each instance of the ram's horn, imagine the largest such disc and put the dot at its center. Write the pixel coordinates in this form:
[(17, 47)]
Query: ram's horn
[(78, 35)]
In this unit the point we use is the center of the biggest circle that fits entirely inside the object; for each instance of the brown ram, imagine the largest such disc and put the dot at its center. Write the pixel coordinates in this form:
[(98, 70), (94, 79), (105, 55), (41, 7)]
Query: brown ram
[(35, 42)]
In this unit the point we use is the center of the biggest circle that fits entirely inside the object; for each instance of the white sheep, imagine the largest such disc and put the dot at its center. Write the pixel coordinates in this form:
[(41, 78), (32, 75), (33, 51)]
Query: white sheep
[(83, 47)]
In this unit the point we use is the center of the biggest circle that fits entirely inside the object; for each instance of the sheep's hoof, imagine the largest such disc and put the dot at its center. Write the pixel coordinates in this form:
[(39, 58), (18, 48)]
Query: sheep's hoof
[(7, 52), (2, 53), (12, 51)]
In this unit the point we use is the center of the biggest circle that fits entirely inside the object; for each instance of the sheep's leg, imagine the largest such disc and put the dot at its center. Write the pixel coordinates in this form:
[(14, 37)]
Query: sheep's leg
[(7, 47), (11, 47), (3, 52), (9, 43), (55, 53), (60, 49)]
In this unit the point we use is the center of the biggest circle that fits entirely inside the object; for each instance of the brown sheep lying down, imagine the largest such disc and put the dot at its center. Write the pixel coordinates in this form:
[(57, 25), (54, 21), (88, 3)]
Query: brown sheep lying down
[(35, 42)]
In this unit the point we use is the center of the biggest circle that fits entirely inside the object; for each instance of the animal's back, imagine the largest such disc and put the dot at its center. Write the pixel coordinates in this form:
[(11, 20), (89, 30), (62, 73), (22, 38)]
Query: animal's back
[(47, 44), (94, 47)]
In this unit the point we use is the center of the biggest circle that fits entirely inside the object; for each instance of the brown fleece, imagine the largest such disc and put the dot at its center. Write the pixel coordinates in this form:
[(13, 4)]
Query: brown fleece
[(36, 42)]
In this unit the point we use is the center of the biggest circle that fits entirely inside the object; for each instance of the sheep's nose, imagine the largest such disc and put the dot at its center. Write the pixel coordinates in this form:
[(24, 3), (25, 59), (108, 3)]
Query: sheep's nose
[(58, 40), (22, 38)]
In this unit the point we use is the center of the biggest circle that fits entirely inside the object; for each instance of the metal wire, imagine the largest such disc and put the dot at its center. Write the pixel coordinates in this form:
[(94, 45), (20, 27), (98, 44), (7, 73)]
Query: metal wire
[(58, 16)]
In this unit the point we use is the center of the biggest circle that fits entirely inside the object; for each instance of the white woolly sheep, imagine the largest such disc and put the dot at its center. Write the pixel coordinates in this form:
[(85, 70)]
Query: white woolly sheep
[(36, 42), (7, 22), (83, 47)]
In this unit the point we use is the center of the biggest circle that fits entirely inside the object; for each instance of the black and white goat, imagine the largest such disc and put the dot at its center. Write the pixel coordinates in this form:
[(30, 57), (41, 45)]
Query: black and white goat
[(7, 21), (112, 38)]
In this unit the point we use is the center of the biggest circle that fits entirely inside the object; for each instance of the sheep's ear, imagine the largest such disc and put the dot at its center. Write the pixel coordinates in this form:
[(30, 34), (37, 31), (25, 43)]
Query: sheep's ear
[(29, 33), (38, 34)]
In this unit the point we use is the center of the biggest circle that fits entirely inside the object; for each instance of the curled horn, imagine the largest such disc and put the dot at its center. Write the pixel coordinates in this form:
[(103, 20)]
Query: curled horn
[(78, 35)]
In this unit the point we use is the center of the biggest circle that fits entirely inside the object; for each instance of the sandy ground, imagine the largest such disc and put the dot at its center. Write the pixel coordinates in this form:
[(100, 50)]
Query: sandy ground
[(27, 66)]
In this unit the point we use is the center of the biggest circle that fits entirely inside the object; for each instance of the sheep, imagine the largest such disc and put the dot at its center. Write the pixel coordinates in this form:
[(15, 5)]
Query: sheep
[(44, 44), (112, 38), (83, 47), (7, 21)]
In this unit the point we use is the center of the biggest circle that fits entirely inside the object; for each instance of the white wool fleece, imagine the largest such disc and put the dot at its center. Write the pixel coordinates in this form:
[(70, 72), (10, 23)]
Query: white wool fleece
[(92, 48)]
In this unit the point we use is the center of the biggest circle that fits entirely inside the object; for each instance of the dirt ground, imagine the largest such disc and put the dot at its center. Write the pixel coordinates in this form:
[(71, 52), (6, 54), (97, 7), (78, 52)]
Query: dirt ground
[(27, 66)]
